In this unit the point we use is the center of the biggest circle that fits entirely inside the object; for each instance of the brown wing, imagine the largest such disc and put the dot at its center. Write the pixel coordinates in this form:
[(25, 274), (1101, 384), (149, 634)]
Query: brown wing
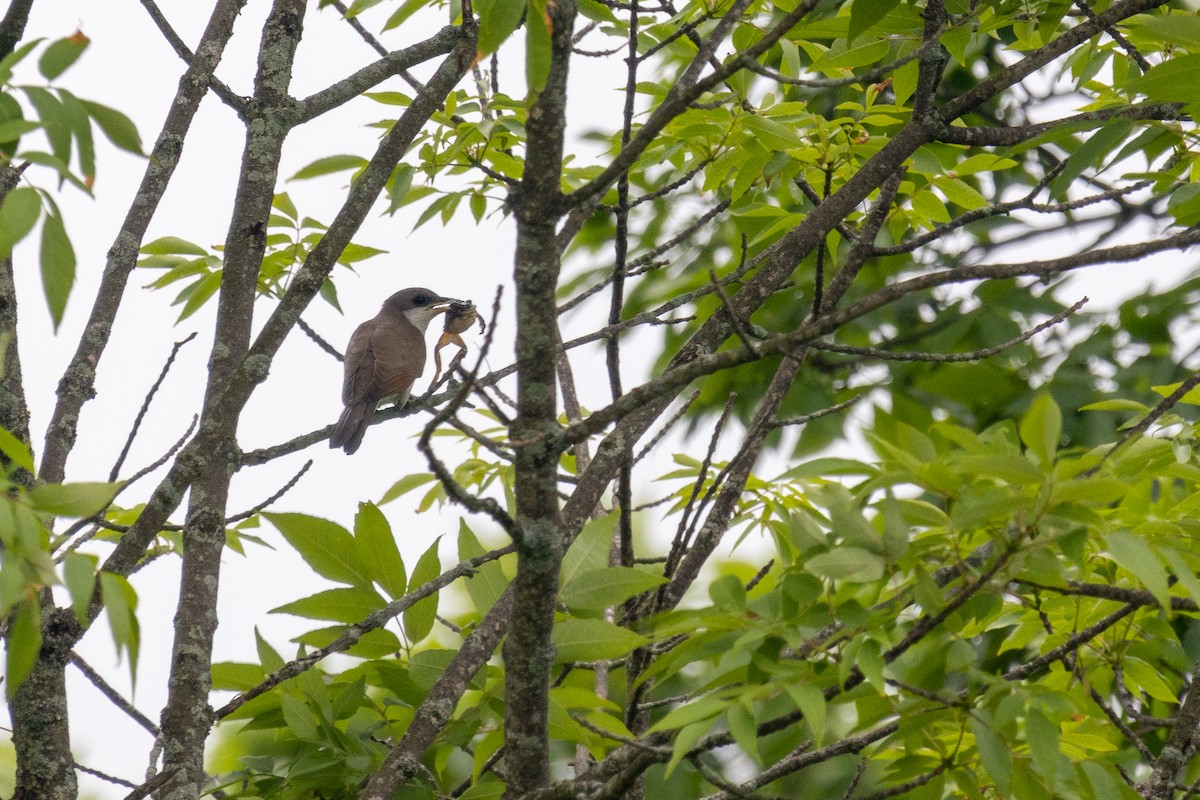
[(399, 358), (383, 358), (359, 364)]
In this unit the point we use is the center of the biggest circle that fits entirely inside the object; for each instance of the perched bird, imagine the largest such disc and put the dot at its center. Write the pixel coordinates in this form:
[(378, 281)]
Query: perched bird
[(385, 356)]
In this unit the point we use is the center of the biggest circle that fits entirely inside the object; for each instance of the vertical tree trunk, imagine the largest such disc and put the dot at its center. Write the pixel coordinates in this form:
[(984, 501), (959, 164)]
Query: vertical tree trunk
[(187, 718), (528, 652)]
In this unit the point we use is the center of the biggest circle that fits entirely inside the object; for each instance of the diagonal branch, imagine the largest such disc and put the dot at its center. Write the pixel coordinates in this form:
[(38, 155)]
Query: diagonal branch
[(229, 97), (394, 63), (77, 384)]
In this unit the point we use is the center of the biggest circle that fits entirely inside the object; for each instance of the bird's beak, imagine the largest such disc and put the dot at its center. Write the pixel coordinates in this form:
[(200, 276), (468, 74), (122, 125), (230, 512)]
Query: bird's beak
[(443, 304)]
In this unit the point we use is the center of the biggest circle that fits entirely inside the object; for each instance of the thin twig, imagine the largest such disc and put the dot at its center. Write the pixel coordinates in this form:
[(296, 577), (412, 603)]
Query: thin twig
[(666, 426), (859, 771), (738, 324), (804, 419), (475, 503), (97, 519), (227, 95), (907, 786), (1163, 407), (353, 633), (152, 785), (943, 358), (113, 695), (137, 422), (373, 43), (1124, 43), (321, 343), (104, 776), (266, 503)]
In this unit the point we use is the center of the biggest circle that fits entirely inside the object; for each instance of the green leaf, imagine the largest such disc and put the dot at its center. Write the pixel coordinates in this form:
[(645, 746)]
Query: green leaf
[(772, 134), (858, 56), (1173, 80), (1143, 676), (497, 21), (325, 546), (172, 245), (377, 551), (1041, 428), (538, 51), (705, 709), (329, 294), (851, 564), (420, 616), (1116, 405), (589, 551), (728, 594), (233, 676), (348, 605), (994, 754), (865, 13), (54, 121), (23, 645), (270, 660), (929, 205), (1091, 153), (120, 607), (58, 266), (72, 499), (76, 118), (743, 726), (1191, 397), (115, 126), (61, 54), (869, 660), (478, 204), (607, 587), (198, 294), (359, 6), (961, 193), (18, 214), (330, 165), (1181, 28), (406, 485), (1182, 571), (1134, 555), (13, 129), (15, 57), (79, 574), (489, 581), (282, 202), (684, 741), (16, 451), (1042, 735), (300, 719), (353, 253), (810, 701), (406, 10), (593, 640)]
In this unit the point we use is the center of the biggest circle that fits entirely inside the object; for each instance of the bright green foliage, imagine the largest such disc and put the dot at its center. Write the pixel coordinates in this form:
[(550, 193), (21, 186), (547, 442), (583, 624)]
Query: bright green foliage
[(27, 568), (290, 238), (928, 594), (67, 123)]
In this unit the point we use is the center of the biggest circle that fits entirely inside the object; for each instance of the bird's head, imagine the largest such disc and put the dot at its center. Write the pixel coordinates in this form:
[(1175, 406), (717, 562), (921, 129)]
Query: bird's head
[(417, 305)]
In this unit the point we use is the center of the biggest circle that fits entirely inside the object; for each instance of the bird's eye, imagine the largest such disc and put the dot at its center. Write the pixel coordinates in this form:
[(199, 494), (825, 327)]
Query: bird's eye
[(420, 300)]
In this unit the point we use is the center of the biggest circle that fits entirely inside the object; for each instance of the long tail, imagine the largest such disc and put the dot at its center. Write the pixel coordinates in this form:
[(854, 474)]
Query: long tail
[(351, 427)]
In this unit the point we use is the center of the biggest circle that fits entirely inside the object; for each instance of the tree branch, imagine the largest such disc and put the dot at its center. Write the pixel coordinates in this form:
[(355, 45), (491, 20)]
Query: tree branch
[(77, 384)]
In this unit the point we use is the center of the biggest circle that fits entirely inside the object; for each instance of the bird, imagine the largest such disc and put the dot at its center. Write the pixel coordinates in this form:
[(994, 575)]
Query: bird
[(385, 356)]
